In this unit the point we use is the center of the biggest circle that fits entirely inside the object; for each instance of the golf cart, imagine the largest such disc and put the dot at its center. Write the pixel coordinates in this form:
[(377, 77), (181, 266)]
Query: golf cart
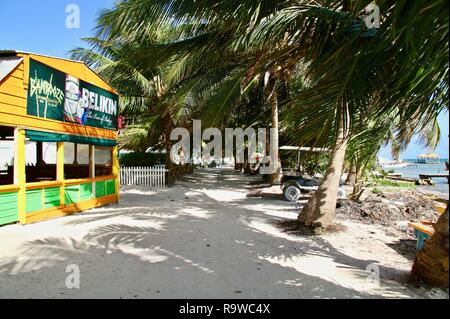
[(293, 182)]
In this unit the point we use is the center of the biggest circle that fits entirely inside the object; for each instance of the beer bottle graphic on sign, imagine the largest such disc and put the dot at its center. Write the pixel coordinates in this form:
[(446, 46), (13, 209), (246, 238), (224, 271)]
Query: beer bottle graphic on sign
[(73, 108)]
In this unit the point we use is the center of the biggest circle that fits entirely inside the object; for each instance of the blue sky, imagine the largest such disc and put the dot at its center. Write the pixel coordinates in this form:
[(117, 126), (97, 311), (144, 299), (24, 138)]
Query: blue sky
[(415, 149), (40, 27)]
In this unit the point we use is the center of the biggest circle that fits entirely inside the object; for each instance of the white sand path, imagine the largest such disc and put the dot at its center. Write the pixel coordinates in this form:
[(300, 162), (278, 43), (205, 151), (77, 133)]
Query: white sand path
[(200, 239)]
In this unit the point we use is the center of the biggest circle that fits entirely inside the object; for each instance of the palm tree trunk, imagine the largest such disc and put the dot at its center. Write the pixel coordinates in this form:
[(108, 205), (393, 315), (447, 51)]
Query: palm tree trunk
[(431, 264), (236, 165), (321, 208), (274, 134), (358, 183), (246, 165), (170, 166), (351, 178), (167, 125)]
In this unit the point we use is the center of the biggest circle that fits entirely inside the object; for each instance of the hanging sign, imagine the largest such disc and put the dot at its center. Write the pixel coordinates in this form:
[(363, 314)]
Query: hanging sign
[(58, 96), (120, 122)]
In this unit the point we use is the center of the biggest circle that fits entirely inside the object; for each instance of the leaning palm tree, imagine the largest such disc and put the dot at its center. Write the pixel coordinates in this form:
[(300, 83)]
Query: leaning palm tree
[(362, 72), (374, 132)]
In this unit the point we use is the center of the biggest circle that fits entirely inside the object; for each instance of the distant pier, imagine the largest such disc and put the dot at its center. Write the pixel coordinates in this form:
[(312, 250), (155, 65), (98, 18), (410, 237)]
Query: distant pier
[(430, 176)]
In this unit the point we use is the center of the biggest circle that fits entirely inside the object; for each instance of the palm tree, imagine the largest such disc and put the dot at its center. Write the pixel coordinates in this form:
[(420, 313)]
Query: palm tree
[(199, 28), (155, 99), (351, 72), (374, 132), (347, 63), (370, 74)]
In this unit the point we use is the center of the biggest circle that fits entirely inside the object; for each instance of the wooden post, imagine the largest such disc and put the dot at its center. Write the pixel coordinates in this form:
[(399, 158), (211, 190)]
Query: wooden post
[(116, 169), (60, 171), (92, 167), (19, 172), (39, 154), (75, 154)]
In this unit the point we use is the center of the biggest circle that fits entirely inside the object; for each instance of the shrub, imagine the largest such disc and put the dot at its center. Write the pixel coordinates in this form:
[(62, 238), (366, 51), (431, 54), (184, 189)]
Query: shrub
[(142, 159), (391, 183), (376, 191)]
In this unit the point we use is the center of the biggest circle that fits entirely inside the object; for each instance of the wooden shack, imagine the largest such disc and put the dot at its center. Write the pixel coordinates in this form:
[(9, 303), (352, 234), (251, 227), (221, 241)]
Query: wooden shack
[(58, 137)]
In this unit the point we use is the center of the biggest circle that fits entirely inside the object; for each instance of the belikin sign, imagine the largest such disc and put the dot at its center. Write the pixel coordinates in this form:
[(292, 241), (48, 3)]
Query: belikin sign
[(58, 96)]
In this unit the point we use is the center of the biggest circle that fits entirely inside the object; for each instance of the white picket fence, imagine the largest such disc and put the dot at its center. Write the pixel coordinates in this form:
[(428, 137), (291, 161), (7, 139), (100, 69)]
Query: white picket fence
[(143, 176)]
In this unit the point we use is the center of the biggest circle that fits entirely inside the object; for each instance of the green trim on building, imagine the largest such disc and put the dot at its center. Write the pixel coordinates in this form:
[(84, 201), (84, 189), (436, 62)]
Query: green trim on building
[(9, 212), (71, 194), (33, 200), (110, 187), (86, 192), (100, 189), (38, 136), (51, 197), (42, 198), (78, 193), (105, 188)]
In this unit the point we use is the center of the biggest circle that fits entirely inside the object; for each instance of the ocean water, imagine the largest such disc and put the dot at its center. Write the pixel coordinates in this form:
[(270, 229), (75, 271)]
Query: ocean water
[(441, 184)]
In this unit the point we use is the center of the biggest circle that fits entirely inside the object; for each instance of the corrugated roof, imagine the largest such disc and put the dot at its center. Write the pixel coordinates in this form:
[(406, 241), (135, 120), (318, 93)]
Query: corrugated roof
[(8, 64), (14, 52)]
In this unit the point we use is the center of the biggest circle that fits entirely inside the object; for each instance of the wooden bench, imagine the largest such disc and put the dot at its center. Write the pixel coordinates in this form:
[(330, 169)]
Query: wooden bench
[(440, 208), (424, 229), (422, 232)]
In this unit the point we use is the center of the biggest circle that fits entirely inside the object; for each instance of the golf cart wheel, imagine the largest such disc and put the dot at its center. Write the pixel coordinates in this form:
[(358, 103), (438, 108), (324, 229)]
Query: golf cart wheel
[(292, 193)]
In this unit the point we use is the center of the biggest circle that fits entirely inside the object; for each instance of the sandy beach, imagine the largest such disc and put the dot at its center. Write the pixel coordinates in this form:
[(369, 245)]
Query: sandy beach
[(204, 238)]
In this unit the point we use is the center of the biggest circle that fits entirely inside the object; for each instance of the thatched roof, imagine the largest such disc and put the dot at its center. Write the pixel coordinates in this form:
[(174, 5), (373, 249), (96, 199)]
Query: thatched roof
[(429, 156)]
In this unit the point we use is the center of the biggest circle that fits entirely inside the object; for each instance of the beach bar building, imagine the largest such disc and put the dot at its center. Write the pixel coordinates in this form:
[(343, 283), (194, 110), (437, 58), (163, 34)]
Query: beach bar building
[(58, 137)]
